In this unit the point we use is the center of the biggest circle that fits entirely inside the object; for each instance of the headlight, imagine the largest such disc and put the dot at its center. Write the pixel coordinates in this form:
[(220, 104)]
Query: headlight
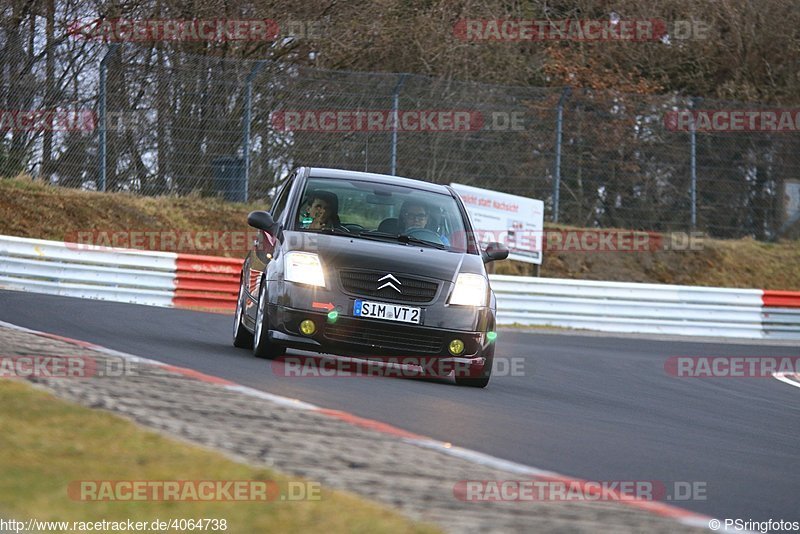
[(470, 290), (304, 268)]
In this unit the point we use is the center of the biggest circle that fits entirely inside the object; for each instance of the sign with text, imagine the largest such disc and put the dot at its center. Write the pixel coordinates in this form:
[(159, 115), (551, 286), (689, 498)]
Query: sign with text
[(517, 222)]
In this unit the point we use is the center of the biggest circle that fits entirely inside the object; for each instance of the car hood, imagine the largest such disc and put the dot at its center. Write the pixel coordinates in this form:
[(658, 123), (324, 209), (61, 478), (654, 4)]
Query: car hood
[(341, 252)]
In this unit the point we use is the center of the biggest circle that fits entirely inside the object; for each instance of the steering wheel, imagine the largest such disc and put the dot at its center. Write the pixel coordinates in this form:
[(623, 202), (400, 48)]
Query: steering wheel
[(425, 234)]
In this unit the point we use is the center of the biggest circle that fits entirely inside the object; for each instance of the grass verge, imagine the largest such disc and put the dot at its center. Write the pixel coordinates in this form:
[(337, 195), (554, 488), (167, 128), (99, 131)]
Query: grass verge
[(48, 443)]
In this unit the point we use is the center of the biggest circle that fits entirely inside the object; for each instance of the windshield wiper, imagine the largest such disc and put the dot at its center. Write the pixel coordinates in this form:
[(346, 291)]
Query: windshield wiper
[(375, 233), (403, 238)]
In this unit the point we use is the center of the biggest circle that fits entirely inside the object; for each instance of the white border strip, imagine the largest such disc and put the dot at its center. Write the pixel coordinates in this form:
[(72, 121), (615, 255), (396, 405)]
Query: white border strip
[(793, 379)]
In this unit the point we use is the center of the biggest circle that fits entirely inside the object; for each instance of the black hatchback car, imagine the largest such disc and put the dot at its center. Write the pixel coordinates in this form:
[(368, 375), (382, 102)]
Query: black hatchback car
[(369, 266)]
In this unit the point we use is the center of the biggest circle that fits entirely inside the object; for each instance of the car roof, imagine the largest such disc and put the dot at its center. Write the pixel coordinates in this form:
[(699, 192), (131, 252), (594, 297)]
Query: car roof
[(319, 172)]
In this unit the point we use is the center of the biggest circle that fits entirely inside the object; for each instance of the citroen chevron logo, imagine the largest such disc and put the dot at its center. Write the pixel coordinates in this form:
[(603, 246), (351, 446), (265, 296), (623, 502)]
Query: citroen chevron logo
[(389, 283)]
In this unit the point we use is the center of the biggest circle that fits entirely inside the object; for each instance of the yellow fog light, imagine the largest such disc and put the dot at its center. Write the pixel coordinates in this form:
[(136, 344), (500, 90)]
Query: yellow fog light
[(456, 347), (307, 327)]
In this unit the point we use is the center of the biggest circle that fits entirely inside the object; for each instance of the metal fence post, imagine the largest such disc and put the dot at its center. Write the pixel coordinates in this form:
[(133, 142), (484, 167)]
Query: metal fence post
[(395, 112), (557, 170), (248, 104), (693, 166), (101, 117)]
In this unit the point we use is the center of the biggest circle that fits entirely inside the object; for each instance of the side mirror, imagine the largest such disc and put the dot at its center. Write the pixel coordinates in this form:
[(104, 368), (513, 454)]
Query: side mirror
[(494, 251), (263, 221)]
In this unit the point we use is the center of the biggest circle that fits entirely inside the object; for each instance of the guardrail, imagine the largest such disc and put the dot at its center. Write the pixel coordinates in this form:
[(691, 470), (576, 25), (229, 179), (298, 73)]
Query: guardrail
[(122, 275), (781, 314), (206, 282), (647, 308), (209, 282)]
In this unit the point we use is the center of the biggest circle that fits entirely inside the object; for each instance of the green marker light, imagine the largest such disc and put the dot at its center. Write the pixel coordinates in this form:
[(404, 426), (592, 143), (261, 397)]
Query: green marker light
[(491, 336), (333, 315)]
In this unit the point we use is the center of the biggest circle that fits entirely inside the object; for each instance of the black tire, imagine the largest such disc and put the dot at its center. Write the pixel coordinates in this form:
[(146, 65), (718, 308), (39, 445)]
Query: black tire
[(242, 337), (475, 378), (262, 348)]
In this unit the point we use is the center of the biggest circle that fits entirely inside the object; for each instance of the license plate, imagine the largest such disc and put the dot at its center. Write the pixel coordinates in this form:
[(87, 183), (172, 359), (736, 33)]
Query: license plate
[(390, 312)]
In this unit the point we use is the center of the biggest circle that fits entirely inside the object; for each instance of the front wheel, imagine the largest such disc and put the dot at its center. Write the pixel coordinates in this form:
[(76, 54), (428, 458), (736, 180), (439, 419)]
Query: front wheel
[(242, 337), (475, 377), (262, 348)]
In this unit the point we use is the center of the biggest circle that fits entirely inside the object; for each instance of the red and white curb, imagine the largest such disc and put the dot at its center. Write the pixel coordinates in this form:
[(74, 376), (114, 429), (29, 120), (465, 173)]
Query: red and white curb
[(682, 516)]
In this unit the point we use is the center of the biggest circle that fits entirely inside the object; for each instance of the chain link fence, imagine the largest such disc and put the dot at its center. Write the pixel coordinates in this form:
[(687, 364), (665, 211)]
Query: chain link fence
[(154, 121)]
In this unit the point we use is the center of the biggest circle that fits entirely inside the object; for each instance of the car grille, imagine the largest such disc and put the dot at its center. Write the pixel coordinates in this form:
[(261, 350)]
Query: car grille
[(365, 284), (384, 336)]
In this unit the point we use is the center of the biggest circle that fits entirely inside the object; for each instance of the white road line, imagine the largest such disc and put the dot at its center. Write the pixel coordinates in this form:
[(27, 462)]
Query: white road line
[(785, 378)]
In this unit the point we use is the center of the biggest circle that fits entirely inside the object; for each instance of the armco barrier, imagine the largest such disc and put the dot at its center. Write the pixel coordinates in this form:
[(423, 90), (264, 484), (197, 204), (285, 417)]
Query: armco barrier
[(136, 276), (206, 282), (781, 314), (645, 308), (209, 282)]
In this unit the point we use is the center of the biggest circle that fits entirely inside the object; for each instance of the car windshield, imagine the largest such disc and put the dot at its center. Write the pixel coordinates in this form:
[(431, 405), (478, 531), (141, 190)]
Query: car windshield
[(371, 210)]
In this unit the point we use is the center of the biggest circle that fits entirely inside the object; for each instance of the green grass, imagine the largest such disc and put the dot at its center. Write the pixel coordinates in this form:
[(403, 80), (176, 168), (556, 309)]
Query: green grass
[(47, 443)]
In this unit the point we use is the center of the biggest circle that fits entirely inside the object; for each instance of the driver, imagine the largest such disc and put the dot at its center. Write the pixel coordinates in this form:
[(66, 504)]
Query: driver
[(415, 214), (323, 209)]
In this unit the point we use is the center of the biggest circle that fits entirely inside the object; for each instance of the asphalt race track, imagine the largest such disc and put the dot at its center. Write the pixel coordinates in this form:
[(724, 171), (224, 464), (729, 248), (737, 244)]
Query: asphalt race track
[(597, 408)]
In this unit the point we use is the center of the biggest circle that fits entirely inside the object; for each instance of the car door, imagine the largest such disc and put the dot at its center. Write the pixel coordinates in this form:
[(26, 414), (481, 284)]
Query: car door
[(265, 244)]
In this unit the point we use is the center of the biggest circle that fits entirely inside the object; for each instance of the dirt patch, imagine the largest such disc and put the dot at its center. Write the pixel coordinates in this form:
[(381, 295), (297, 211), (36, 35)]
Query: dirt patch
[(29, 209)]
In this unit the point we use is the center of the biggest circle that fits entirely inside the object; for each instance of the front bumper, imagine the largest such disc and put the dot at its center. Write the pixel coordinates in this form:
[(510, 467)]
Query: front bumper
[(373, 338)]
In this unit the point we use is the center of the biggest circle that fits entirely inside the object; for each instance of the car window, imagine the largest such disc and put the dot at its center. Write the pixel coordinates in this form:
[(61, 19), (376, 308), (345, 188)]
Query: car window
[(360, 207), (283, 196)]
